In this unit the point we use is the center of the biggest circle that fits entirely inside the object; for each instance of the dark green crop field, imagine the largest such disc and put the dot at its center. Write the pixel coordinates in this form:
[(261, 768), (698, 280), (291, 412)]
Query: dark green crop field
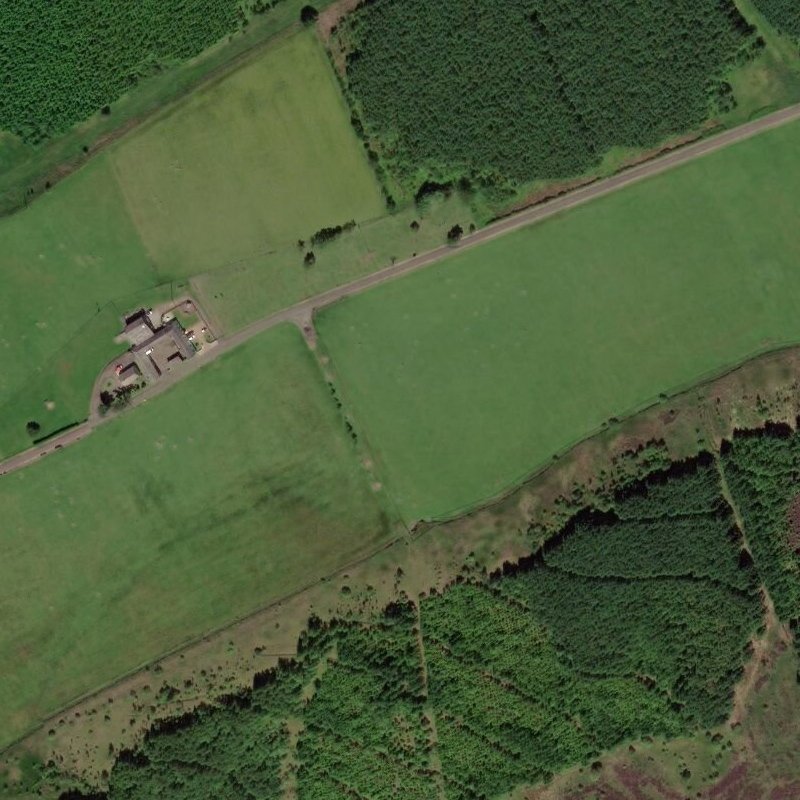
[(515, 91), (494, 682), (65, 61)]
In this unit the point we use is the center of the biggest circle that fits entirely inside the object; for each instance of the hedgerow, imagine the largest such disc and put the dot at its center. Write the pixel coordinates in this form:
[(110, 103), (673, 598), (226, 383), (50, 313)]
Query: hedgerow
[(782, 14), (527, 89), (61, 62)]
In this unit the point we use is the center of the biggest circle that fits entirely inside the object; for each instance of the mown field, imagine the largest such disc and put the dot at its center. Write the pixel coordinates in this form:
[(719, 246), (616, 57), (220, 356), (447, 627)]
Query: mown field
[(61, 262), (261, 159), (28, 170), (501, 95), (499, 681), (502, 356), (233, 489)]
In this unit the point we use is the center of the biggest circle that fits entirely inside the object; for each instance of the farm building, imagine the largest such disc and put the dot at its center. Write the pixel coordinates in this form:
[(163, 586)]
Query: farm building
[(138, 327), (155, 349)]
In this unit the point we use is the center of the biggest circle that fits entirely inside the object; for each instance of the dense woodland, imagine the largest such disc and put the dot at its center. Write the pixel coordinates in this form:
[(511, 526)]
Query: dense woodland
[(782, 14), (61, 62), (527, 89), (664, 527), (763, 473), (634, 621)]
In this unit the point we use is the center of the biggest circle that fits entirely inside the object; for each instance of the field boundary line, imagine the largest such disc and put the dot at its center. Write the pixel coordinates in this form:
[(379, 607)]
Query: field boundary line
[(530, 216), (418, 530)]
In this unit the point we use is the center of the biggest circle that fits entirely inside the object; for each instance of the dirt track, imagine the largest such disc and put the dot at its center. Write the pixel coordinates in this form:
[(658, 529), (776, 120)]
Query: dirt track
[(301, 314)]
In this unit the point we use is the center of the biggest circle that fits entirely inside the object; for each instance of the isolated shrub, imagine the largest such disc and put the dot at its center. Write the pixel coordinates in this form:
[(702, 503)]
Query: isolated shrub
[(33, 427), (454, 234), (308, 14)]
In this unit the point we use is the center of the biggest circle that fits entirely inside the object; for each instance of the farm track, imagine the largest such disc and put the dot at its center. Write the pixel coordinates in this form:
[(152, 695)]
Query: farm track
[(301, 314)]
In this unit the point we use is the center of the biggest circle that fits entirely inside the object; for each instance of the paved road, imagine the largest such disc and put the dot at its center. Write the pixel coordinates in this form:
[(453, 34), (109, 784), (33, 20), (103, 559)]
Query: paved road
[(301, 314)]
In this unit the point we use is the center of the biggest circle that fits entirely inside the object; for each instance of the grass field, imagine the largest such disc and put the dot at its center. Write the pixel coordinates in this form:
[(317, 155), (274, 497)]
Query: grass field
[(57, 394), (256, 160), (264, 284), (265, 157), (61, 261), (471, 374), (232, 490)]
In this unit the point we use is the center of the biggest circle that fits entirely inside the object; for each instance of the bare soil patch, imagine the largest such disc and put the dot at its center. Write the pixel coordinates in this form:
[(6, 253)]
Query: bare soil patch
[(765, 650), (329, 18), (672, 144)]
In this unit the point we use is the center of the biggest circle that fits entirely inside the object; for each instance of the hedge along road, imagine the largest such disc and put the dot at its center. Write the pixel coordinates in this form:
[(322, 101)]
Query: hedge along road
[(301, 313)]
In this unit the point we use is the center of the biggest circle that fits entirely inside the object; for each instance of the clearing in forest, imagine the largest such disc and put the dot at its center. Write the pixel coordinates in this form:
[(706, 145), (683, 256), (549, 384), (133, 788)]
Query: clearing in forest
[(469, 375), (262, 158), (234, 489)]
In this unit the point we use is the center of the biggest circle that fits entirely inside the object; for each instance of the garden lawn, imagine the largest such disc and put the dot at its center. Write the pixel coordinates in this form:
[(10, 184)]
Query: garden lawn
[(61, 261), (235, 488), (468, 376), (264, 157)]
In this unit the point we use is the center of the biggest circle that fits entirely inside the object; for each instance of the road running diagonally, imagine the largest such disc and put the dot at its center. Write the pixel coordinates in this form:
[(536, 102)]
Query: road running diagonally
[(301, 314)]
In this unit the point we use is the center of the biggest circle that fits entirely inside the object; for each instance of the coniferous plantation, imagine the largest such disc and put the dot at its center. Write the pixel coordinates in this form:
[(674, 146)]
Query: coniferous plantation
[(763, 473), (783, 14), (506, 679), (63, 61), (534, 89)]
